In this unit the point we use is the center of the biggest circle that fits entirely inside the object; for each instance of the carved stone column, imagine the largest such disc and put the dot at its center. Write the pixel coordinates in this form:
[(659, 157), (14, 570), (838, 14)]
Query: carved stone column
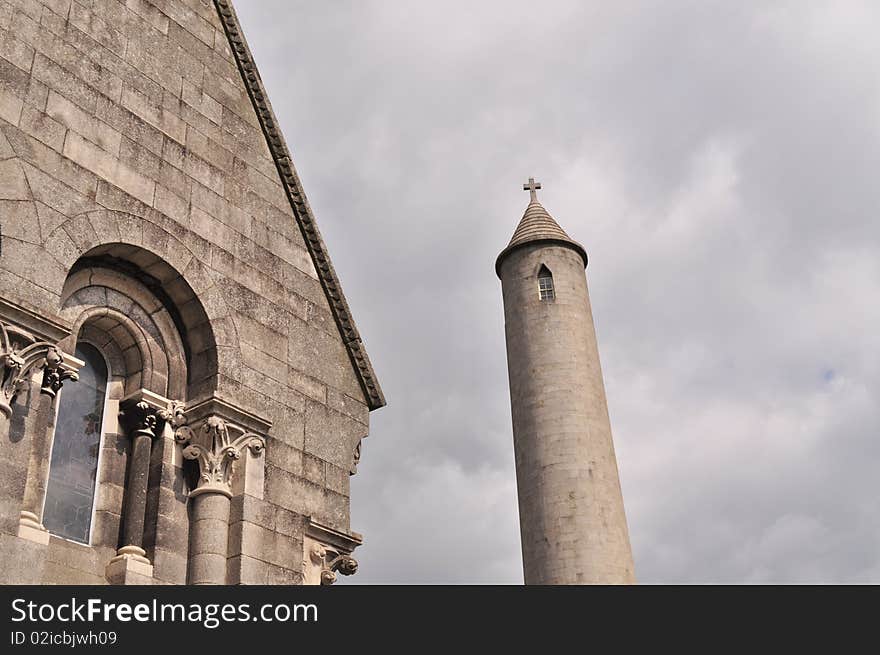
[(26, 339), (144, 415), (215, 445), (57, 368), (19, 357)]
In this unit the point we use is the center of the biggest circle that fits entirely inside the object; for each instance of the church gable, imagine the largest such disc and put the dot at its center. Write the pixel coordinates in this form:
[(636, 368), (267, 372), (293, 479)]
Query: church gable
[(302, 210), (149, 205), (161, 101)]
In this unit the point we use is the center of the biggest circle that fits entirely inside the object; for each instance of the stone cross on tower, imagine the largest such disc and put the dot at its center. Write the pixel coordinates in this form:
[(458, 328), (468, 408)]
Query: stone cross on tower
[(532, 188)]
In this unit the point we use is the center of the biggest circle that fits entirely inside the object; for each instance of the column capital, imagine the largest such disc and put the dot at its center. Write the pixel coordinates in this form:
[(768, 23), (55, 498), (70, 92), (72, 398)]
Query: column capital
[(231, 413), (215, 444), (147, 412), (20, 355), (215, 433), (57, 369)]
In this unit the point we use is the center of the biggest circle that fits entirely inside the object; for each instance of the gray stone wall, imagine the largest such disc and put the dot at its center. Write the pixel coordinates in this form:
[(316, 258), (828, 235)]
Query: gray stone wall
[(128, 141), (572, 519)]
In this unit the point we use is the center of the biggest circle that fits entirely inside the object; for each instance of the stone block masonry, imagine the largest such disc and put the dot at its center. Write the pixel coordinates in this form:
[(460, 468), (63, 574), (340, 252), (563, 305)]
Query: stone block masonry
[(150, 207), (572, 520)]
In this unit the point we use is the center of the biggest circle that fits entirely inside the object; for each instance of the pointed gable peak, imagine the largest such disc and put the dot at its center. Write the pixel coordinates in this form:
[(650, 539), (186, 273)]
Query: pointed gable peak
[(299, 205)]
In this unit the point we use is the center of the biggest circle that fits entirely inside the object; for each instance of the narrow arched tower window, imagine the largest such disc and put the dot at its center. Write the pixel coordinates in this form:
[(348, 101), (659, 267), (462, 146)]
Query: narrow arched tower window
[(545, 284), (70, 493)]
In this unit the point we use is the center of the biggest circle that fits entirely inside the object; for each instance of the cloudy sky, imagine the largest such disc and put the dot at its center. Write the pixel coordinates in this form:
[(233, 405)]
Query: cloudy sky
[(719, 161)]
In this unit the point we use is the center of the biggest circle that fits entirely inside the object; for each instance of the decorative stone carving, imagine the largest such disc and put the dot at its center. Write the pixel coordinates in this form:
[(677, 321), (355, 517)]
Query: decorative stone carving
[(146, 413), (327, 553), (146, 420), (215, 445), (56, 373), (332, 562), (19, 357), (175, 415), (356, 458)]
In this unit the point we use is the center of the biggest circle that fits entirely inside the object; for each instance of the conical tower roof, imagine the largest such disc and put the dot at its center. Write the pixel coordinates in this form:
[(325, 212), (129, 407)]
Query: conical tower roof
[(537, 226)]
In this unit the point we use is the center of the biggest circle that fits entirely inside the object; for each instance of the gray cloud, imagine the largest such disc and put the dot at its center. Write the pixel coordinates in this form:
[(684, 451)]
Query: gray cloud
[(719, 163)]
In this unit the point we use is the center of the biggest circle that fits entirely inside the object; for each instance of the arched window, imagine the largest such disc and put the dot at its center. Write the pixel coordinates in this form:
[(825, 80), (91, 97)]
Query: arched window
[(70, 493), (545, 284)]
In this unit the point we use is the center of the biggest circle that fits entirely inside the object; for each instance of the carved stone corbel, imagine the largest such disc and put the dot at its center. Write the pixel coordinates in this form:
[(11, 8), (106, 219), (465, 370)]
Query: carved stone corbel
[(356, 458), (331, 562), (328, 553)]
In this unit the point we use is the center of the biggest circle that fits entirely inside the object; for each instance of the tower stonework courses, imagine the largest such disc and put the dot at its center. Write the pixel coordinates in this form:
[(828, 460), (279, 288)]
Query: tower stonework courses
[(572, 520)]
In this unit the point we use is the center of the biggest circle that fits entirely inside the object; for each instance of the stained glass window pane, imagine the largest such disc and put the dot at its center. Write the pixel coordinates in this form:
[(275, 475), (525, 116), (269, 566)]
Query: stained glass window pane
[(70, 493)]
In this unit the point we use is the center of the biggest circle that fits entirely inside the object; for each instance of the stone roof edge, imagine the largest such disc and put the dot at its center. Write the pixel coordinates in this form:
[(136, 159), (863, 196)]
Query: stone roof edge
[(299, 204), (568, 243)]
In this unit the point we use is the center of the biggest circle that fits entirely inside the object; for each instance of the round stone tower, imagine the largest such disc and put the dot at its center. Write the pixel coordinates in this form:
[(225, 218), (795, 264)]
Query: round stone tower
[(572, 521)]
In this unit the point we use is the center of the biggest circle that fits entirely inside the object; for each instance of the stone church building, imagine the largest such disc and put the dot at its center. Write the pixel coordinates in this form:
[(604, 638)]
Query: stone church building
[(183, 390)]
